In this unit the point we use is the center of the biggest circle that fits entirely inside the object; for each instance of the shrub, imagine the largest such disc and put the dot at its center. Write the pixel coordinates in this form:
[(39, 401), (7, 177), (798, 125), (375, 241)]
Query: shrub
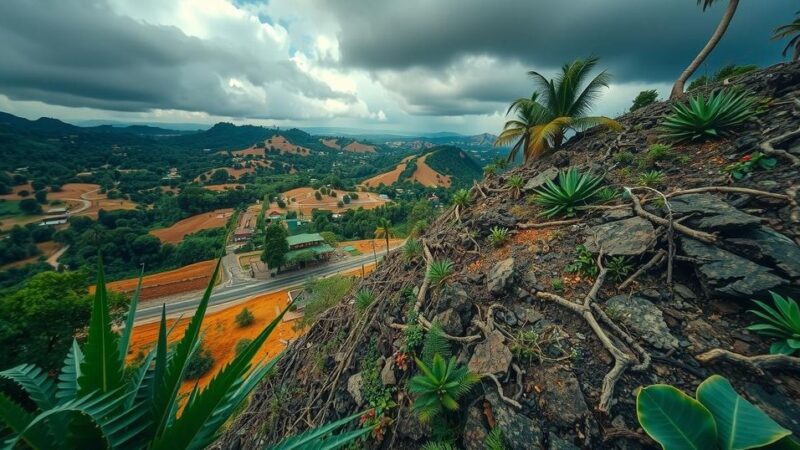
[(462, 198), (644, 98), (656, 153), (244, 318), (624, 157), (498, 236), (515, 184), (558, 284), (750, 163), (199, 364), (241, 345), (719, 418), (489, 170), (439, 272), (781, 322), (711, 118), (584, 262), (651, 178), (412, 249), (573, 189), (363, 299), (439, 387)]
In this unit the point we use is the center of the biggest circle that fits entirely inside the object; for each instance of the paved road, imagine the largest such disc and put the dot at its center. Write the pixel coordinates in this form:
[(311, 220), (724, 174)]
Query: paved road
[(223, 294)]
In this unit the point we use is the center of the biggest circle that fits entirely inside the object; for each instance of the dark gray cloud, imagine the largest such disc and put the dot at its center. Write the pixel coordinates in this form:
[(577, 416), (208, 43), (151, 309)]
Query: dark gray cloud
[(80, 53), (639, 40)]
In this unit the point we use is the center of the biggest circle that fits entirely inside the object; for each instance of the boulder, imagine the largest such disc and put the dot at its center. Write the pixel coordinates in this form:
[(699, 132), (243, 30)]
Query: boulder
[(724, 273), (491, 355), (713, 213), (765, 244), (541, 178), (626, 237), (450, 322), (561, 398), (387, 373), (500, 277), (519, 431), (475, 431), (526, 314), (354, 384), (484, 223), (644, 319)]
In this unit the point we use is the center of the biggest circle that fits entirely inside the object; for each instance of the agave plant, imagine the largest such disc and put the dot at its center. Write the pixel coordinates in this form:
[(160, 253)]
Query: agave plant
[(572, 190), (412, 249), (363, 299), (718, 418), (498, 236), (93, 405), (461, 198), (439, 272), (514, 184), (489, 170), (440, 386), (710, 118), (606, 194), (781, 322), (651, 178)]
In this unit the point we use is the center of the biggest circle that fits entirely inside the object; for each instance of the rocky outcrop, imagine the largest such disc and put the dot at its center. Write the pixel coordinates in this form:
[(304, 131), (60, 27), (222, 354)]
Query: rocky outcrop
[(626, 237), (500, 277), (709, 213), (644, 319)]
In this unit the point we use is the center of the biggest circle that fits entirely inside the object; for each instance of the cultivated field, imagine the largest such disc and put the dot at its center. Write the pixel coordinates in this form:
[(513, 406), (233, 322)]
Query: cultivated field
[(304, 201), (283, 145), (423, 175), (223, 187), (193, 277), (193, 224)]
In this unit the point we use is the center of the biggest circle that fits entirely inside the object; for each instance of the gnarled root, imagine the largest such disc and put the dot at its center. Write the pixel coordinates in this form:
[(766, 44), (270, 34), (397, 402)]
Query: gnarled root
[(757, 363)]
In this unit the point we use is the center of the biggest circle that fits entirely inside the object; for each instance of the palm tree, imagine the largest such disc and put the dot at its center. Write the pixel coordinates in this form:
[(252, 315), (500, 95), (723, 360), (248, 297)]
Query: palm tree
[(384, 230), (557, 106), (678, 87), (792, 29)]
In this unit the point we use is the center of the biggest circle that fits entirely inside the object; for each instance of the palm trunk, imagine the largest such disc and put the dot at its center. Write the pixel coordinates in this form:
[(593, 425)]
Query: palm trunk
[(678, 87), (387, 244)]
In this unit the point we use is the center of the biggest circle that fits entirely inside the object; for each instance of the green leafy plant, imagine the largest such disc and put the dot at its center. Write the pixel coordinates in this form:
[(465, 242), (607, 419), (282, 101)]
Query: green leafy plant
[(412, 249), (489, 170), (323, 437), (558, 284), (414, 333), (618, 268), (461, 198), (440, 386), (656, 153), (718, 418), (498, 236), (624, 157), (781, 322), (573, 189), (711, 118), (651, 178), (750, 163), (438, 445), (435, 344), (363, 299), (584, 262), (140, 411), (244, 318), (494, 440), (606, 194), (440, 272), (515, 184)]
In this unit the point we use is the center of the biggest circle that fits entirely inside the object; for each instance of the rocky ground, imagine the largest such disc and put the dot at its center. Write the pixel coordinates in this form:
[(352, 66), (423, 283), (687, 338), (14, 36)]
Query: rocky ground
[(563, 353)]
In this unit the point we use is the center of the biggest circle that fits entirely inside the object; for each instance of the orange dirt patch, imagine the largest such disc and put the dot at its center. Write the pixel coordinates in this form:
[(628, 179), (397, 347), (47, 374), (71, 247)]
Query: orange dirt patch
[(331, 143), (365, 245), (180, 229), (221, 333), (186, 279), (388, 178), (15, 190), (358, 147), (251, 151), (429, 177), (223, 187), (305, 202), (283, 145), (47, 250)]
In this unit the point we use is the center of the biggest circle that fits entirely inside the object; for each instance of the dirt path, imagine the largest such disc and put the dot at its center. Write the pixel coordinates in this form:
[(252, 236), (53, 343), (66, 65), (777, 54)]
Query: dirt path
[(53, 259)]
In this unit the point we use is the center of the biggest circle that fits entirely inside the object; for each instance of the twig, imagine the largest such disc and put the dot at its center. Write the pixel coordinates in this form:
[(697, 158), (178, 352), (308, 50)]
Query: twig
[(477, 187), (670, 234), (520, 372), (730, 189), (758, 363), (767, 147), (427, 325), (503, 397), (699, 235), (656, 259), (525, 226)]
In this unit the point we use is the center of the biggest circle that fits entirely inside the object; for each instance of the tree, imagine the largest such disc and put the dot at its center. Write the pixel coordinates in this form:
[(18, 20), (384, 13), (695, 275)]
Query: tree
[(244, 318), (791, 30), (41, 196), (220, 176), (678, 87), (644, 98), (275, 246), (330, 238), (30, 206), (384, 230), (557, 106)]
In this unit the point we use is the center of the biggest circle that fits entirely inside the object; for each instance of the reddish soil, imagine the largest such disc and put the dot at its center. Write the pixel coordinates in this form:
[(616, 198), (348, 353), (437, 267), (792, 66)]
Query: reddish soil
[(429, 177), (283, 145), (190, 278), (331, 143), (388, 178), (180, 229), (305, 201), (357, 147), (223, 187), (250, 151)]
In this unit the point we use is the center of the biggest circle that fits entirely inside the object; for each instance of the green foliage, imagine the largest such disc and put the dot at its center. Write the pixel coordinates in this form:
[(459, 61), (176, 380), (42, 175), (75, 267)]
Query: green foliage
[(644, 98), (790, 30), (322, 437), (414, 334), (558, 284), (363, 299), (718, 418), (624, 157), (439, 387), (412, 249), (30, 206), (462, 198), (323, 294), (656, 153), (438, 445), (244, 318), (241, 345), (494, 440), (584, 262), (375, 393), (330, 238), (489, 170), (618, 268), (199, 364), (781, 322), (606, 194), (750, 163), (455, 163), (104, 409), (572, 190), (435, 344), (651, 178), (515, 183), (708, 118), (498, 236), (721, 75), (439, 272), (524, 345), (275, 246)]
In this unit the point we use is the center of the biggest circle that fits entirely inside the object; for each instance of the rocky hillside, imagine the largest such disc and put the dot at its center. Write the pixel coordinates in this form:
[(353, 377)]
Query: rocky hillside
[(562, 344)]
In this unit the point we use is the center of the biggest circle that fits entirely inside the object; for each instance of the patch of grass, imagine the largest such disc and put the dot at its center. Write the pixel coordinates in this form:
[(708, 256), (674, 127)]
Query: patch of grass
[(9, 208), (363, 299), (323, 294), (244, 318), (651, 178), (624, 157)]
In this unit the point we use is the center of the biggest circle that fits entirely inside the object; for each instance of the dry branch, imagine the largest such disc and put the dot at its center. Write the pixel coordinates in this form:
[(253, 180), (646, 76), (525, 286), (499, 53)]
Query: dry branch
[(757, 363), (699, 235), (503, 397), (656, 259), (729, 189), (555, 223), (767, 147)]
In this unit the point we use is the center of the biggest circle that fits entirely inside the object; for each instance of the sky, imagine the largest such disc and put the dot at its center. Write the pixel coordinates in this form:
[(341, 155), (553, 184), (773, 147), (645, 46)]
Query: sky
[(405, 66)]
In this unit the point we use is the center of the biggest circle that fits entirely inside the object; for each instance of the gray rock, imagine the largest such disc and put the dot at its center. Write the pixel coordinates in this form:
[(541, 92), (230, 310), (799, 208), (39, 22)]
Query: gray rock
[(519, 431), (626, 237), (490, 356), (527, 314), (541, 178), (484, 223), (387, 373), (702, 335), (714, 214), (474, 430), (765, 244), (644, 319), (354, 384), (561, 398), (450, 322), (410, 427), (724, 273), (501, 276), (557, 443), (684, 292), (616, 214)]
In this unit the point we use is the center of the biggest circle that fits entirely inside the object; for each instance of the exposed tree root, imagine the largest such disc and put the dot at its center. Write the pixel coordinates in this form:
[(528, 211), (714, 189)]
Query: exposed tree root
[(767, 147), (730, 189), (757, 363), (520, 387), (427, 325), (699, 235), (555, 223), (503, 397), (655, 260)]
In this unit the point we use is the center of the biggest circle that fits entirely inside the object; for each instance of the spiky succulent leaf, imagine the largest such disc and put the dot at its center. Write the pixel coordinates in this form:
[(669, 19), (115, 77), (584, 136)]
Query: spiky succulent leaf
[(708, 118), (125, 338), (318, 438), (68, 386), (35, 382), (572, 189)]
